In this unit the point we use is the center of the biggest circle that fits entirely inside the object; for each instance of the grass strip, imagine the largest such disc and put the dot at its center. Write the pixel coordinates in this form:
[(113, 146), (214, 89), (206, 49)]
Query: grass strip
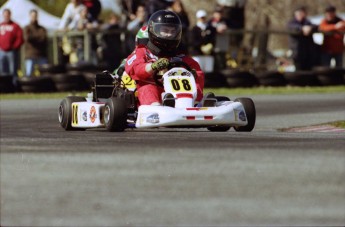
[(339, 124)]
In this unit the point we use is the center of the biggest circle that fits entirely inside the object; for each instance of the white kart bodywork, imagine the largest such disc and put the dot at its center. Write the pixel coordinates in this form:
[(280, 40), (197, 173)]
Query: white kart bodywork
[(227, 114), (181, 84)]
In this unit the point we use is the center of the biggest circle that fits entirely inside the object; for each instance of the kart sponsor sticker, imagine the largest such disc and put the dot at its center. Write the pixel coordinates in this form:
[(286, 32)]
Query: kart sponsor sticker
[(93, 114), (242, 116), (75, 114), (130, 61), (197, 108), (179, 73), (84, 115), (152, 118)]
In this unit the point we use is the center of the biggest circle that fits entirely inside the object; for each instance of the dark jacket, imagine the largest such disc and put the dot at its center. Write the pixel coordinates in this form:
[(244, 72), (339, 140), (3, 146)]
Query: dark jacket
[(201, 37), (35, 41), (303, 47)]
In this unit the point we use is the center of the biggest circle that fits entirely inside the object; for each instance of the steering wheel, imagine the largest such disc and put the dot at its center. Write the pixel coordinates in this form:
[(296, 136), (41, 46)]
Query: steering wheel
[(172, 64)]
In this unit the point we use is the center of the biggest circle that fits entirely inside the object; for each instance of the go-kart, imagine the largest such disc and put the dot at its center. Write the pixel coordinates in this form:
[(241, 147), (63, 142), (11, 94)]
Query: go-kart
[(113, 104)]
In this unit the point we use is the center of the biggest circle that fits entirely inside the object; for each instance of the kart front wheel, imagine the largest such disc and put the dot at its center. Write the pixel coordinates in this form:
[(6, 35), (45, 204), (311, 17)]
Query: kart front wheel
[(115, 115), (65, 112), (249, 108)]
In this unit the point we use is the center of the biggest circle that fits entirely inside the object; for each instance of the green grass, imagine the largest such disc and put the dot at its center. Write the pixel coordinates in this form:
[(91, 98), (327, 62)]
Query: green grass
[(217, 91), (339, 124)]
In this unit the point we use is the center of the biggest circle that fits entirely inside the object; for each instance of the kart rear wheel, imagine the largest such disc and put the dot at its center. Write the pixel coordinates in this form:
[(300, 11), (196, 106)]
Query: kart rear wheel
[(65, 112), (249, 108), (115, 115)]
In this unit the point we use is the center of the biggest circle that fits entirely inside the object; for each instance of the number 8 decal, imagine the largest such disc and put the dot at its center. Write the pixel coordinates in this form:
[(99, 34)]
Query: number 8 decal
[(176, 84)]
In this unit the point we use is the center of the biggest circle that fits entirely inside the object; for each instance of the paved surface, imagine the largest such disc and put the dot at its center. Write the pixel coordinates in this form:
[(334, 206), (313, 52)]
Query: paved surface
[(50, 177)]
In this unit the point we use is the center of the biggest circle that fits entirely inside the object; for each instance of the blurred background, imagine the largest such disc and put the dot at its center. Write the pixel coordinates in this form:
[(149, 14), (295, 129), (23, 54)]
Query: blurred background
[(238, 43)]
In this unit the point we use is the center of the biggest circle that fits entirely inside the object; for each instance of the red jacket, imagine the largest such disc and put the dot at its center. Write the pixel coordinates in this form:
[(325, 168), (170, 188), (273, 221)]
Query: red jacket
[(11, 36), (332, 44), (137, 61)]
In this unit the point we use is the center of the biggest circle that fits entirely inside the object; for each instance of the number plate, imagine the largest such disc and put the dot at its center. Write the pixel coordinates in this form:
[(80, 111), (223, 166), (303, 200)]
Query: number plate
[(180, 85)]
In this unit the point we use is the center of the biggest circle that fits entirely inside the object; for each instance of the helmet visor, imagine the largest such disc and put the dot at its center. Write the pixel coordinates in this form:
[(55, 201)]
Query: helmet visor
[(167, 31)]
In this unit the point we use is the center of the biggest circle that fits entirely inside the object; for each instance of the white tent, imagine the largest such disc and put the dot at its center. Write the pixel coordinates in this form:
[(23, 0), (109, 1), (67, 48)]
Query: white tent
[(113, 5), (20, 14)]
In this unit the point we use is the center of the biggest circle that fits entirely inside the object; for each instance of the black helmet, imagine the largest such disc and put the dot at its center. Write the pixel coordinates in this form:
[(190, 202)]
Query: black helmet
[(165, 30)]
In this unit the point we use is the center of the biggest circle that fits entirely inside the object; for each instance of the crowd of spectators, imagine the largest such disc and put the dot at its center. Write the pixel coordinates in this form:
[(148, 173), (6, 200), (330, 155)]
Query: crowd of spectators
[(305, 53), (199, 39)]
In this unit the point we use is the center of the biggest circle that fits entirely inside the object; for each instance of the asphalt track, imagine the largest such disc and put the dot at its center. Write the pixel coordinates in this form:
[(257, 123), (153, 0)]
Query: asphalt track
[(50, 177)]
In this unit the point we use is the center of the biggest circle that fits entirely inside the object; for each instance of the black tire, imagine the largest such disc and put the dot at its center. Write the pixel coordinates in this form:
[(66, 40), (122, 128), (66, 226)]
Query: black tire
[(330, 76), (301, 78), (115, 115), (81, 67), (89, 77), (6, 84), (65, 112), (235, 78), (271, 79), (36, 84), (214, 80), (249, 108), (220, 128), (51, 69), (70, 82)]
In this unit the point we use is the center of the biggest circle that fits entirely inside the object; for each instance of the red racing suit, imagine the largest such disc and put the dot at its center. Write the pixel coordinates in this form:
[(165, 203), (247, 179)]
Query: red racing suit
[(148, 91), (11, 36)]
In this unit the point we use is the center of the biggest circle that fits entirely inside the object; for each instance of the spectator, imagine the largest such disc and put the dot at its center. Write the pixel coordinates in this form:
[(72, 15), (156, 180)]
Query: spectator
[(130, 7), (134, 26), (302, 44), (203, 35), (153, 6), (233, 12), (72, 9), (94, 8), (111, 43), (82, 22), (217, 22), (35, 44), (178, 8), (11, 39), (333, 45)]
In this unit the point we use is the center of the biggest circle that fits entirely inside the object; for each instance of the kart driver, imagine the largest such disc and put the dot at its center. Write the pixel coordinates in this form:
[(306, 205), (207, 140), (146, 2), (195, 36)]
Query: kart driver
[(165, 31)]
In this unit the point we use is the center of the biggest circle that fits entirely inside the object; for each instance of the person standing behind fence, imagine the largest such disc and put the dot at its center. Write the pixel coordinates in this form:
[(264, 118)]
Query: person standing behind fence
[(35, 44), (112, 51), (11, 39), (233, 12), (333, 44), (301, 42), (134, 26), (72, 9), (94, 8), (203, 35)]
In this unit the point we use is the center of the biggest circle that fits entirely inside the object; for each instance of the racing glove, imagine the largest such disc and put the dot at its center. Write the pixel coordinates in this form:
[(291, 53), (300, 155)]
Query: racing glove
[(160, 64)]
